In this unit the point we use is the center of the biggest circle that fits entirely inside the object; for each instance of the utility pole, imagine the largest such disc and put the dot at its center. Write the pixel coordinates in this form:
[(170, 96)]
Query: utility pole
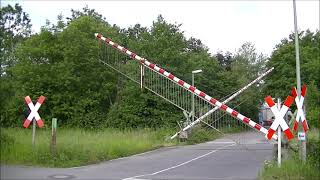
[(303, 149)]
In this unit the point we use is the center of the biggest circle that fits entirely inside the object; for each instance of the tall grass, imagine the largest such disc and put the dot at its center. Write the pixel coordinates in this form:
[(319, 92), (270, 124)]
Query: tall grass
[(290, 169), (76, 147), (294, 168)]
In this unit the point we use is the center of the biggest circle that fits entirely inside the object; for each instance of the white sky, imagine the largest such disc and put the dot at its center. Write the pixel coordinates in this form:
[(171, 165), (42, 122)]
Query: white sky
[(220, 25)]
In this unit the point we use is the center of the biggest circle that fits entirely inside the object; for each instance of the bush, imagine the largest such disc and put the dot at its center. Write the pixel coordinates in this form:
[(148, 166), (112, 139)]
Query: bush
[(313, 151), (5, 139), (294, 168), (199, 135)]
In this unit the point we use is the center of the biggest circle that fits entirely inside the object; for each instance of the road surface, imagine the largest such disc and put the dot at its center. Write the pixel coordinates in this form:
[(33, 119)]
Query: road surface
[(219, 159)]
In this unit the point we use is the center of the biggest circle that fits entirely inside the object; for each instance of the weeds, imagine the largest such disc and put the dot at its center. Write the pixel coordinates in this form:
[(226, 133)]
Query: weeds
[(294, 168), (77, 147)]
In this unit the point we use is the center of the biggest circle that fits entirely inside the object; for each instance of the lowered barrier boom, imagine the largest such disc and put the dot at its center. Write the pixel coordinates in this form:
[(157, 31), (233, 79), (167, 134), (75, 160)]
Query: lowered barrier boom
[(185, 85)]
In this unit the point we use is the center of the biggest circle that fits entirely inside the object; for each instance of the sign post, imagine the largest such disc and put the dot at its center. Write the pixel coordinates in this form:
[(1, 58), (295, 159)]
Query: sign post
[(34, 111), (301, 136), (279, 138), (279, 113), (33, 116), (33, 133)]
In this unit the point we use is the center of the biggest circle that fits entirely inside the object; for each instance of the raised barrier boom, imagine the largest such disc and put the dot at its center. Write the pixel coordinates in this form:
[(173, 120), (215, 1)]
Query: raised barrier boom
[(225, 101), (185, 85)]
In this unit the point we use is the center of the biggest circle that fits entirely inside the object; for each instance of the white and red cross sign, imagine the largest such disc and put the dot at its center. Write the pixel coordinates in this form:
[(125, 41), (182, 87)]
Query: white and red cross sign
[(299, 102), (279, 114), (34, 111)]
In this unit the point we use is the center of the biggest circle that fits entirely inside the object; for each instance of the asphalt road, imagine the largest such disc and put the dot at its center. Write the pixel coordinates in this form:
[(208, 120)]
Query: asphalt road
[(219, 159)]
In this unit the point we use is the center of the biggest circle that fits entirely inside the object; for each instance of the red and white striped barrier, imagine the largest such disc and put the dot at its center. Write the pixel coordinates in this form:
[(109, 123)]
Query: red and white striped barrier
[(299, 103), (225, 101), (187, 86), (279, 114), (34, 111)]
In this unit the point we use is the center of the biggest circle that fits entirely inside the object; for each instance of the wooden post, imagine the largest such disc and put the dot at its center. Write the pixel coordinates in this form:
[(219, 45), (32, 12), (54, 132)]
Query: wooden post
[(53, 136)]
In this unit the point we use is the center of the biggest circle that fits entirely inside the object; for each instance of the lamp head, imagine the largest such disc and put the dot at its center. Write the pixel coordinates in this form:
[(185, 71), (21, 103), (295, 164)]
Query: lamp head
[(197, 71)]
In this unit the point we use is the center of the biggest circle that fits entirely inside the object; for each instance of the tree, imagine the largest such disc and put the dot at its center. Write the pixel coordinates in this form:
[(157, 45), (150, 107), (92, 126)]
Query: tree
[(283, 79), (246, 65), (15, 27), (163, 44), (64, 67), (86, 11), (195, 45), (224, 60)]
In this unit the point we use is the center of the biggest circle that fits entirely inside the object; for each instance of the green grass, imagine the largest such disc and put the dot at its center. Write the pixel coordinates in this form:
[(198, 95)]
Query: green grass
[(294, 168), (76, 147), (199, 135)]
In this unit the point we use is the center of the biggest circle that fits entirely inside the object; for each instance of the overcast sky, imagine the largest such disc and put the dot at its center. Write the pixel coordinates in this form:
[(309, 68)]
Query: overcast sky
[(221, 25)]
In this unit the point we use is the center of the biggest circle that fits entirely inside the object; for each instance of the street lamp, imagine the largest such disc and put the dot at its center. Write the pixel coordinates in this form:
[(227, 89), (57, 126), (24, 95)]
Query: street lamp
[(192, 111)]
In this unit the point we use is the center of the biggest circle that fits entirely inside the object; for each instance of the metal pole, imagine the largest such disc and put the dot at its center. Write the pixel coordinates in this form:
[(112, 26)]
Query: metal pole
[(33, 132), (279, 138), (296, 38), (192, 111)]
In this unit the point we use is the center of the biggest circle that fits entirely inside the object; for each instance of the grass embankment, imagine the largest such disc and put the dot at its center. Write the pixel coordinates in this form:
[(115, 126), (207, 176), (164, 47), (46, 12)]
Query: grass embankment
[(76, 147), (294, 168)]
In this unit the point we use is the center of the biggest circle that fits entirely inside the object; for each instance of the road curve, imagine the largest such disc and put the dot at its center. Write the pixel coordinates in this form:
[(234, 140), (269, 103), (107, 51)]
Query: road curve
[(218, 159)]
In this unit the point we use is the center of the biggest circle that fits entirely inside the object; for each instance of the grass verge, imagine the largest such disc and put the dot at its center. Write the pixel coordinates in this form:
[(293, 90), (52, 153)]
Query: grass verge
[(294, 168), (77, 147)]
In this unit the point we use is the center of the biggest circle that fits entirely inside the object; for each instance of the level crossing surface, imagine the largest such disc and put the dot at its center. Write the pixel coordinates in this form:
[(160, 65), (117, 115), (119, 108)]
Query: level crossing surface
[(222, 158)]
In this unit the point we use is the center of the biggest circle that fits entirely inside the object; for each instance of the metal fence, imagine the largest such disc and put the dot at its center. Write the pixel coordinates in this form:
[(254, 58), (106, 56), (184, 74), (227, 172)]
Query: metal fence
[(168, 90)]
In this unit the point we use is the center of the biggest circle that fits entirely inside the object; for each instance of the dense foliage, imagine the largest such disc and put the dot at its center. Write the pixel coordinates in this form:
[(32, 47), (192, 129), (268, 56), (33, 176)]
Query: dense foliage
[(61, 63), (283, 79)]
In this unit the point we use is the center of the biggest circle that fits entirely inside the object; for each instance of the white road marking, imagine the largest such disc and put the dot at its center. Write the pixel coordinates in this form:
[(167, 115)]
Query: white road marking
[(221, 142), (184, 163)]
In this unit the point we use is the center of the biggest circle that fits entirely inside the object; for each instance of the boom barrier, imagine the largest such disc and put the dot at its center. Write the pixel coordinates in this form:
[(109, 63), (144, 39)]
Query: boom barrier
[(181, 83)]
